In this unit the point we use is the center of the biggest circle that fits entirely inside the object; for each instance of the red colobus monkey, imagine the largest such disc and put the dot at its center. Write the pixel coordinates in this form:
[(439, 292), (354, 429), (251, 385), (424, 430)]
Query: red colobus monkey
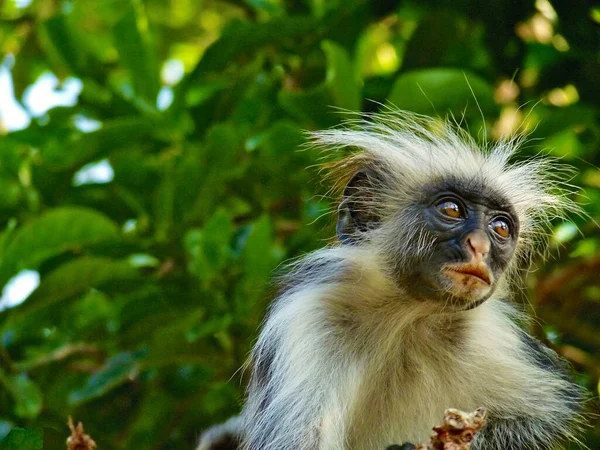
[(371, 339)]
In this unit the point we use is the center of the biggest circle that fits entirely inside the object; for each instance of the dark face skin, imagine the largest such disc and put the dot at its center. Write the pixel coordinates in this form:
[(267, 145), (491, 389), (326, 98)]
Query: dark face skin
[(475, 234), (474, 231)]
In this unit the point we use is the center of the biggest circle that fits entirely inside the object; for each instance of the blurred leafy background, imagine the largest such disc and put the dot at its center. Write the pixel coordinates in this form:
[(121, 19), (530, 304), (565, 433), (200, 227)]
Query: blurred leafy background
[(151, 182)]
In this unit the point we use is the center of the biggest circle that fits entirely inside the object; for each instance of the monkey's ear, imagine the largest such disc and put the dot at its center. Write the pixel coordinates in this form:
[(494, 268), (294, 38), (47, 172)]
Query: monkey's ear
[(356, 213)]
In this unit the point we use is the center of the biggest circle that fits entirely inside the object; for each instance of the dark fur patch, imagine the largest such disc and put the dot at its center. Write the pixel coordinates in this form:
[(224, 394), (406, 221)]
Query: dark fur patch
[(519, 433), (523, 433), (317, 272), (227, 442), (226, 436), (262, 372), (548, 360)]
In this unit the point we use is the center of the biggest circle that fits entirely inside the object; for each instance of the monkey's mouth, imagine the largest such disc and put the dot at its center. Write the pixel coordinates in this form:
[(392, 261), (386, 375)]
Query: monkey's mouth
[(478, 272)]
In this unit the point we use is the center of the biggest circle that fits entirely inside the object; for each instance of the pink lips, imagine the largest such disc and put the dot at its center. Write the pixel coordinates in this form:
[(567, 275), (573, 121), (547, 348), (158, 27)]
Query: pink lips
[(474, 270)]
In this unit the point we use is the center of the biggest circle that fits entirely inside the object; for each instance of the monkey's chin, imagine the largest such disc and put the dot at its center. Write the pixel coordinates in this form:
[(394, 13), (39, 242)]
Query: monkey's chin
[(467, 287)]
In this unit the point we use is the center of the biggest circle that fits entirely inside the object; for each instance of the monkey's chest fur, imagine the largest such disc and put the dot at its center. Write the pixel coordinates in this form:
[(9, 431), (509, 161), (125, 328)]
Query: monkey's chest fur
[(400, 389)]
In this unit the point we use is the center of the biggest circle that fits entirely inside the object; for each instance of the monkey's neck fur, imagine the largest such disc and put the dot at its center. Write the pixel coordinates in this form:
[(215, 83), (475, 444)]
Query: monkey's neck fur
[(410, 360)]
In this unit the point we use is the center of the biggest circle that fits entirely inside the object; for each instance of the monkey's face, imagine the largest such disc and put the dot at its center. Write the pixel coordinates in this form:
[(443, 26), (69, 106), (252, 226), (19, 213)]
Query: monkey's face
[(451, 245), (471, 235)]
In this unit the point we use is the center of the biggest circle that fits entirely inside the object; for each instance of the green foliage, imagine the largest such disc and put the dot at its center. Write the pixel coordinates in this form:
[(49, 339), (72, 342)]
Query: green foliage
[(446, 89), (23, 439), (154, 280), (44, 237)]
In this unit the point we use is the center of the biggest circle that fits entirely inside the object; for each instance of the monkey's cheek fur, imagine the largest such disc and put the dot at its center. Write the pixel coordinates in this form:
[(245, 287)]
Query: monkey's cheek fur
[(466, 285)]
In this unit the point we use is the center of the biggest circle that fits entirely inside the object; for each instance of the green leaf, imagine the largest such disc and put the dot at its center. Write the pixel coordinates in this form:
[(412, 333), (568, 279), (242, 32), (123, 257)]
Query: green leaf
[(564, 144), (209, 247), (245, 38), (341, 78), (146, 429), (83, 147), (260, 257), (57, 231), (137, 54), (118, 370), (43, 308), (61, 43), (451, 44), (165, 201), (200, 93), (221, 160), (6, 236), (258, 261), (27, 395), (586, 248), (442, 90), (282, 141), (315, 106), (203, 327), (76, 277), (184, 341), (23, 439), (312, 107)]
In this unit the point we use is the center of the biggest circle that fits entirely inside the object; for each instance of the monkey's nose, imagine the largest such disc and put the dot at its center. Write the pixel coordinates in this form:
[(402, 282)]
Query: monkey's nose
[(478, 244)]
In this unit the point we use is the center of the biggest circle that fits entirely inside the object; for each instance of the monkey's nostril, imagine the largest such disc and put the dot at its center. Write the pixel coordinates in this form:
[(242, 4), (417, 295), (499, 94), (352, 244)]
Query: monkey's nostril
[(478, 244)]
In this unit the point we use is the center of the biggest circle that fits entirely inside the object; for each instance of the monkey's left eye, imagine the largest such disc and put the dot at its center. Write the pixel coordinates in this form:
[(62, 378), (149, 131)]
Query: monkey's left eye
[(451, 209), (501, 227)]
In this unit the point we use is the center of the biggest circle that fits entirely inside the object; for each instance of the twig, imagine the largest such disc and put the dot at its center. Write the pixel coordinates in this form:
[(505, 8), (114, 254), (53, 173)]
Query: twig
[(78, 439), (457, 430)]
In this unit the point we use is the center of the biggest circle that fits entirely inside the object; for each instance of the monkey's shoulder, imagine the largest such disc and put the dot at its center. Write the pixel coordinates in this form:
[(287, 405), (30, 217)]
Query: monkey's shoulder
[(319, 268)]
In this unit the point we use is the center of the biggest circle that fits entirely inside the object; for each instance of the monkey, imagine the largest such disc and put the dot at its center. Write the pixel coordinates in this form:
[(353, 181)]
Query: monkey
[(370, 339)]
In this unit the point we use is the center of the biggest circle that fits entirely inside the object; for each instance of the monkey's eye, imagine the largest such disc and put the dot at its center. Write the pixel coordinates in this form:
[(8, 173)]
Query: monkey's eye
[(501, 227), (450, 208)]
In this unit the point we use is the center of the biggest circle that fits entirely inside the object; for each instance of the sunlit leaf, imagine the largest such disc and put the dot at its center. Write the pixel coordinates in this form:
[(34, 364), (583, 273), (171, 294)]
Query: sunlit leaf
[(442, 90), (77, 276), (564, 232), (62, 43), (341, 77), (565, 144), (134, 44)]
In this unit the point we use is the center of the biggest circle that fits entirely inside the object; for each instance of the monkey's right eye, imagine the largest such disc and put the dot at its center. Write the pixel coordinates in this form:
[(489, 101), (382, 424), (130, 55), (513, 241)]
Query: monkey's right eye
[(451, 209)]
